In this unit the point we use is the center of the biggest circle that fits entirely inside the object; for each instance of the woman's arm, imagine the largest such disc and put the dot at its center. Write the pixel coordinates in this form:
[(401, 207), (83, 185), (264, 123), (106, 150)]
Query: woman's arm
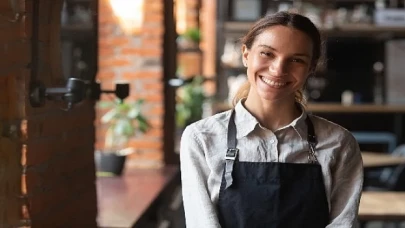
[(347, 184), (198, 207)]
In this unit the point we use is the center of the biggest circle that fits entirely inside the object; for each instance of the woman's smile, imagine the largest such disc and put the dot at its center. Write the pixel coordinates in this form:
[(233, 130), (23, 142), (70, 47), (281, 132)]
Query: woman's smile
[(272, 83)]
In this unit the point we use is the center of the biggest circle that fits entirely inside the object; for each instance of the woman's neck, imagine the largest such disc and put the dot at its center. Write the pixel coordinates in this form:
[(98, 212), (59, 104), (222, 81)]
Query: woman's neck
[(272, 114)]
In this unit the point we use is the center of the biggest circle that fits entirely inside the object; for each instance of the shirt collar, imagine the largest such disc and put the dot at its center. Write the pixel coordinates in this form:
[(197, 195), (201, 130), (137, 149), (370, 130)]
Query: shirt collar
[(299, 124), (246, 122)]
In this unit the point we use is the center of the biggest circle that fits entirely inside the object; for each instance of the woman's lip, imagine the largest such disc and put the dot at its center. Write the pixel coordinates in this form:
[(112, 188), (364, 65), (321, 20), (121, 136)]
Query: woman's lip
[(273, 84), (273, 79)]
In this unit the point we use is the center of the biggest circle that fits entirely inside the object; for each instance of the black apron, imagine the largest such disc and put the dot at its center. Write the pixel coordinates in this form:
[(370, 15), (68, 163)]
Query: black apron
[(272, 194)]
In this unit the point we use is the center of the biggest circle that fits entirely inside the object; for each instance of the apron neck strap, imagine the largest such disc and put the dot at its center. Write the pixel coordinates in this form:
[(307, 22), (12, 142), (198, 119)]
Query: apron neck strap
[(311, 138), (232, 131)]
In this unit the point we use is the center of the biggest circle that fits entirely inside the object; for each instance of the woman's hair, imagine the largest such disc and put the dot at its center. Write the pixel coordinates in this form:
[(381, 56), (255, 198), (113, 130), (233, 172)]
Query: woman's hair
[(288, 19)]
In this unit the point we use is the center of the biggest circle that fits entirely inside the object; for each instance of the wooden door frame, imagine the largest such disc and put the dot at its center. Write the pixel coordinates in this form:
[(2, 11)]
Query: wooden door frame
[(169, 71)]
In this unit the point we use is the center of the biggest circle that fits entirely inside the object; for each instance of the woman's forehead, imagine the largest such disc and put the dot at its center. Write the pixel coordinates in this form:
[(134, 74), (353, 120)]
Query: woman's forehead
[(286, 39)]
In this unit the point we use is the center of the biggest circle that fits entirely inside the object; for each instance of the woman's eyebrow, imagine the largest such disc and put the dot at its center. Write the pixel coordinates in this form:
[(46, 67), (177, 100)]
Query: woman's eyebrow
[(273, 49), (267, 46)]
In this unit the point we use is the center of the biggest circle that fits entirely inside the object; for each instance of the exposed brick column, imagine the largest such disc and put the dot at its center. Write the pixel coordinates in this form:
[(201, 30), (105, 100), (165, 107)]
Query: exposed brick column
[(208, 43), (189, 62), (136, 59), (194, 63)]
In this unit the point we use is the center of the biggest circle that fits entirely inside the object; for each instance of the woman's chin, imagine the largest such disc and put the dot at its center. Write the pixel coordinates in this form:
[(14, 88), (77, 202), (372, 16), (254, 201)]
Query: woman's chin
[(271, 94), (277, 97)]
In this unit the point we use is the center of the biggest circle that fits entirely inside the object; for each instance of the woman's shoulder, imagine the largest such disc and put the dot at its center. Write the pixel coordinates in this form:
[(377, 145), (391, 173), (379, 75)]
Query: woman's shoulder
[(327, 129), (215, 124), (336, 142)]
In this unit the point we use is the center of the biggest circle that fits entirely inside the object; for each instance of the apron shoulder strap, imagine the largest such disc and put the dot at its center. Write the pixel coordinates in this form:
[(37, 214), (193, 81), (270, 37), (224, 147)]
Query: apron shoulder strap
[(312, 140), (311, 131), (232, 131), (232, 151)]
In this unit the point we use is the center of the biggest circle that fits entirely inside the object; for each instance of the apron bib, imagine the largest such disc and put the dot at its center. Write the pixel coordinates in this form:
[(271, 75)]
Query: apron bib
[(272, 194)]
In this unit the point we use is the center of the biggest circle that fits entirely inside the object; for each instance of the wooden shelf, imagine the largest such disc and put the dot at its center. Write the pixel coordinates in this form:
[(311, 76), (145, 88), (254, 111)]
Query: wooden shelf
[(355, 108), (351, 1), (336, 108), (188, 50), (237, 27)]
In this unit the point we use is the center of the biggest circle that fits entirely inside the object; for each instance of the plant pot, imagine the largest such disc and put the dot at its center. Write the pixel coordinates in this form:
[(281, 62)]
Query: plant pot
[(184, 43), (109, 164)]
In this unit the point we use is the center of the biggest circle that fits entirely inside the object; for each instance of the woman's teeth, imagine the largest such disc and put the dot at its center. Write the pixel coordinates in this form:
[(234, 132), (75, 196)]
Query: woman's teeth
[(273, 83)]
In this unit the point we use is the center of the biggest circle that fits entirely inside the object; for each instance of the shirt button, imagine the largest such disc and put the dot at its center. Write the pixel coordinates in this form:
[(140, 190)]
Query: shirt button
[(272, 141)]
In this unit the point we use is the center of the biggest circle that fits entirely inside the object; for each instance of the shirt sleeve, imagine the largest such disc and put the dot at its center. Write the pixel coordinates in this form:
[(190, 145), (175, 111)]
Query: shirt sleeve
[(347, 184), (198, 207)]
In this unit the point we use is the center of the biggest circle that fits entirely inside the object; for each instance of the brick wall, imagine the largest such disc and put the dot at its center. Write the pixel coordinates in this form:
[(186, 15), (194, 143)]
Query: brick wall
[(55, 146), (136, 59)]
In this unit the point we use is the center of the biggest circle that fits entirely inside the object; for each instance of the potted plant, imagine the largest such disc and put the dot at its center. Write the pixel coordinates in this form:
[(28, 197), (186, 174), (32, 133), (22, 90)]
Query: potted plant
[(190, 39), (124, 121), (189, 102)]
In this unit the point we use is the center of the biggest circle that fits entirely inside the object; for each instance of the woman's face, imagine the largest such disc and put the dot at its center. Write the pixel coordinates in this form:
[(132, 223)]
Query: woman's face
[(278, 63)]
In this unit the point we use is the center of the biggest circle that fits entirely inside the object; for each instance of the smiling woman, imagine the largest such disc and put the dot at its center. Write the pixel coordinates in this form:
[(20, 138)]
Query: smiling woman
[(277, 67), (307, 38), (280, 166)]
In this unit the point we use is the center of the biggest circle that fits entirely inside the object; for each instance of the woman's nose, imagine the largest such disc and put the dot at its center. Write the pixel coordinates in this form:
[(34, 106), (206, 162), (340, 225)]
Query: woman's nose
[(277, 68)]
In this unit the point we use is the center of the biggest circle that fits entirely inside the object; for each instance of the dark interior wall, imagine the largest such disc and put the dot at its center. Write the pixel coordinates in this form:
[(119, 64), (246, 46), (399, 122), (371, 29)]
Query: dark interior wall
[(350, 67)]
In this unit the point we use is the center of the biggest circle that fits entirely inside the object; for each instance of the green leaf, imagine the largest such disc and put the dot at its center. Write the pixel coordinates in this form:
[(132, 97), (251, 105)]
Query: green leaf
[(124, 127), (190, 100), (193, 34), (109, 116), (105, 104), (134, 112)]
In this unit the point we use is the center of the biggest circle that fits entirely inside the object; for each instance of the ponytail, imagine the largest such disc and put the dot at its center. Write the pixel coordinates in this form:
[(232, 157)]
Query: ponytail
[(242, 92)]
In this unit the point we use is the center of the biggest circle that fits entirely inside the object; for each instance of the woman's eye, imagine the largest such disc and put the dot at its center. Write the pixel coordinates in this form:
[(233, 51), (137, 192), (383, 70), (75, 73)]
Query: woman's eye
[(296, 60), (268, 54)]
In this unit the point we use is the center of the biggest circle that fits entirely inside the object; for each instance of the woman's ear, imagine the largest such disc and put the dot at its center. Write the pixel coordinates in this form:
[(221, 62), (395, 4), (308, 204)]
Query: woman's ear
[(245, 53)]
